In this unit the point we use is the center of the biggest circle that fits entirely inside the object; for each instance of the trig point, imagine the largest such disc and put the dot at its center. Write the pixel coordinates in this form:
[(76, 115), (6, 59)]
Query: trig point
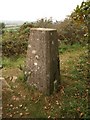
[(42, 63)]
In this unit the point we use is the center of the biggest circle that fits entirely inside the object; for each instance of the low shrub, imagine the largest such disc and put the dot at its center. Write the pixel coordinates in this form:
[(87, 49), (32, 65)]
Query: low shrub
[(14, 42), (14, 48)]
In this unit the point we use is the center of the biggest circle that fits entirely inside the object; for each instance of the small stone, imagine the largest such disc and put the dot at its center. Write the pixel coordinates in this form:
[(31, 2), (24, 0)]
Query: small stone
[(17, 99), (11, 115), (24, 96), (59, 40), (36, 56), (57, 102), (38, 68), (10, 78), (25, 72), (21, 95), (81, 114), (29, 46), (27, 113), (29, 72), (33, 51), (20, 106), (7, 105), (13, 97), (11, 105), (14, 79), (49, 104), (45, 108), (35, 85), (16, 107), (2, 78), (14, 113), (52, 43), (36, 101), (21, 114), (59, 107), (49, 116), (14, 86), (25, 108), (37, 39), (35, 64)]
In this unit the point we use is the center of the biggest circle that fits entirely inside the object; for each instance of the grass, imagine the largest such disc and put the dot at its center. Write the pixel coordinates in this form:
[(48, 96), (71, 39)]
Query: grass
[(74, 69), (13, 61), (70, 48), (70, 102)]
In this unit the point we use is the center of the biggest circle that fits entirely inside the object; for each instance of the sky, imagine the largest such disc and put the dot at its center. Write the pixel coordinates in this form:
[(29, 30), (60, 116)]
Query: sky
[(32, 10)]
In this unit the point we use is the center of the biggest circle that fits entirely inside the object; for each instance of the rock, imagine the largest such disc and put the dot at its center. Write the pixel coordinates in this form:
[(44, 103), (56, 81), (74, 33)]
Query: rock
[(57, 102), (11, 105), (49, 116), (45, 108), (16, 108), (14, 79), (20, 106), (21, 114), (11, 115), (27, 113)]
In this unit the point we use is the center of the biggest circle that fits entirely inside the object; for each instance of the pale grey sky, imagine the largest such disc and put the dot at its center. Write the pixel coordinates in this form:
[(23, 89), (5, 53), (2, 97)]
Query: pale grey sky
[(31, 10)]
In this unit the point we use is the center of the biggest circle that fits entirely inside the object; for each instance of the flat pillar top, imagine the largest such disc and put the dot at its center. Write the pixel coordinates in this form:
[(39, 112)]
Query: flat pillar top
[(43, 29)]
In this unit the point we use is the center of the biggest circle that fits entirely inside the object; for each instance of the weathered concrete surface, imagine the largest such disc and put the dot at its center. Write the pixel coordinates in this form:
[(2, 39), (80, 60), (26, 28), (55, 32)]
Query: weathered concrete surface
[(42, 63)]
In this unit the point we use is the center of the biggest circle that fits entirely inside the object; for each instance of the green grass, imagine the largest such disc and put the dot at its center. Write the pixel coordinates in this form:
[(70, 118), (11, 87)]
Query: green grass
[(70, 48), (70, 102), (13, 62)]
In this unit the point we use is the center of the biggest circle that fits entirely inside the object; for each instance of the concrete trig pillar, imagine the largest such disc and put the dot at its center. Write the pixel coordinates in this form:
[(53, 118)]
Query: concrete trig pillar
[(42, 63)]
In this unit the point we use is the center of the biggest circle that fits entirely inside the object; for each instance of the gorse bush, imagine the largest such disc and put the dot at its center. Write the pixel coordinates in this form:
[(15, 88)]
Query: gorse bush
[(14, 48), (69, 33), (14, 43)]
